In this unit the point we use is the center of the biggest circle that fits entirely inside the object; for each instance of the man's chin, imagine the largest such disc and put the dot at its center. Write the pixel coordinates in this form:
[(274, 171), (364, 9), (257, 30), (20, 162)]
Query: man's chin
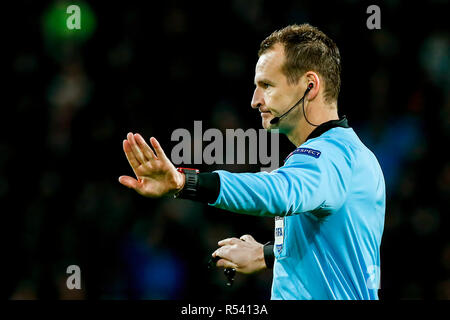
[(273, 127), (267, 125)]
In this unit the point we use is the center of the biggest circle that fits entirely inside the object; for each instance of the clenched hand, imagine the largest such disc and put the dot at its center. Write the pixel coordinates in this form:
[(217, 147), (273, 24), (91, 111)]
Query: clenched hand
[(246, 255)]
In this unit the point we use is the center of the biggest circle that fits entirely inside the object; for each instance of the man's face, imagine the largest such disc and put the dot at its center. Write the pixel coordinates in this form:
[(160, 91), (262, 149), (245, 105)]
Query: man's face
[(273, 95)]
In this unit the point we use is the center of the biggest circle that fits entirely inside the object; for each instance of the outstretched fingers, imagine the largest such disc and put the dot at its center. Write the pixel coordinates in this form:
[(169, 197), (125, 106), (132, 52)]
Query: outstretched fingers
[(159, 151), (136, 149), (148, 152), (132, 160)]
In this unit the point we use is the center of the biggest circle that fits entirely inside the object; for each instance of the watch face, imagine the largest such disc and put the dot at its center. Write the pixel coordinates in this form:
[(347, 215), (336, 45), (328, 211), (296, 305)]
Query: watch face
[(186, 170)]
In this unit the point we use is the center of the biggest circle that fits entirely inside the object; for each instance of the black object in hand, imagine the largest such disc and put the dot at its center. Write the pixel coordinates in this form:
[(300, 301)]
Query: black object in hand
[(212, 262), (228, 272)]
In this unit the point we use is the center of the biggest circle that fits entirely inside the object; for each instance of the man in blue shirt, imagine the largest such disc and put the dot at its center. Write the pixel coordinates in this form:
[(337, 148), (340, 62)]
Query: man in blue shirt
[(328, 199)]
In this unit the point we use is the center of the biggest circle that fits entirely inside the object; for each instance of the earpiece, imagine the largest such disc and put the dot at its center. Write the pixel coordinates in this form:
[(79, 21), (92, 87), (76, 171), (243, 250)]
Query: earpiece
[(277, 119), (310, 86)]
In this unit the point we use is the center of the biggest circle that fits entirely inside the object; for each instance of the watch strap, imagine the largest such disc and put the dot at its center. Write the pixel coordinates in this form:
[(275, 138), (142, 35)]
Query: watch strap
[(269, 256), (190, 188)]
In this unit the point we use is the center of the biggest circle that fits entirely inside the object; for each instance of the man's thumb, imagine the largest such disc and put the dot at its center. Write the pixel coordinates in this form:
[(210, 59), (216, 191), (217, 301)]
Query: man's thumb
[(128, 182)]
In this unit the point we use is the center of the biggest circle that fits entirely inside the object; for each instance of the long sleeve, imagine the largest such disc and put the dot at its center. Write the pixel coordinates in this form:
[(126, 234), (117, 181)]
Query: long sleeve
[(305, 183)]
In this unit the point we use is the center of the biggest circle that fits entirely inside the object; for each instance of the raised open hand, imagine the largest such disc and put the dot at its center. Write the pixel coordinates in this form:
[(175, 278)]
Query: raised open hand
[(156, 176)]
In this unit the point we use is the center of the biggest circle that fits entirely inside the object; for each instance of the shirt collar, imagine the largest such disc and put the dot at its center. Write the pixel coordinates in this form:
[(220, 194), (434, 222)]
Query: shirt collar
[(342, 122)]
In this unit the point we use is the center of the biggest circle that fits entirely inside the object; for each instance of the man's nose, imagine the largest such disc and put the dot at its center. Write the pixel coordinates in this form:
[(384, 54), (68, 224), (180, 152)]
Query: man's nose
[(257, 99)]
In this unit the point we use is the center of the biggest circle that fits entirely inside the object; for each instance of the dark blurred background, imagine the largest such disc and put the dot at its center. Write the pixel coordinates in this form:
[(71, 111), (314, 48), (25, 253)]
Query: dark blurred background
[(70, 98)]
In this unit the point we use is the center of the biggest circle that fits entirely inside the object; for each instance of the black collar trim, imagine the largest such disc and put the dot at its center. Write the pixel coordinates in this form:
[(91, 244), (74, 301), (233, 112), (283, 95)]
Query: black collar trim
[(324, 127)]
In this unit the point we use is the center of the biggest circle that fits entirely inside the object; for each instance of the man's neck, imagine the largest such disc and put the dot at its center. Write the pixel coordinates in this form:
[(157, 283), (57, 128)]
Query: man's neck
[(301, 132)]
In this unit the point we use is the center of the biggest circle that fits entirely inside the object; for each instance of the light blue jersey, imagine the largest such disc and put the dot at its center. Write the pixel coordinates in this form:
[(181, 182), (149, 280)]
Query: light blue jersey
[(329, 203)]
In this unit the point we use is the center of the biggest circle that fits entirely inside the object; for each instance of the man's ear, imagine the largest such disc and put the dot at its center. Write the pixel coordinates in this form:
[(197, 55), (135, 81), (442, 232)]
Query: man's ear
[(312, 77)]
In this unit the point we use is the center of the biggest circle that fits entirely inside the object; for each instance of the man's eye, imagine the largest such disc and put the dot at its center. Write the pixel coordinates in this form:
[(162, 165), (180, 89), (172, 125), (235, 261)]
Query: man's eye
[(266, 85)]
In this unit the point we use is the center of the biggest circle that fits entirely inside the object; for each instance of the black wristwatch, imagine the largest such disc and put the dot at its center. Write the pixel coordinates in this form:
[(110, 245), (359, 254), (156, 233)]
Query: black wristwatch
[(189, 190)]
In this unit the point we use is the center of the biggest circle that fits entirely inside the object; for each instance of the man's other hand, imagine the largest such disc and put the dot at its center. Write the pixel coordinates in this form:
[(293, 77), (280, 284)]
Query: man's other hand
[(244, 254), (156, 176)]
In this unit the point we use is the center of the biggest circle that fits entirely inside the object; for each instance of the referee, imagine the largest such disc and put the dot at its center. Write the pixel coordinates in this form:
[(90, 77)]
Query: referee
[(328, 199)]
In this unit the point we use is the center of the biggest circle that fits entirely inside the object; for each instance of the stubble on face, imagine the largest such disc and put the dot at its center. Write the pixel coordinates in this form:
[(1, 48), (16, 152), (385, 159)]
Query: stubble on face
[(269, 68)]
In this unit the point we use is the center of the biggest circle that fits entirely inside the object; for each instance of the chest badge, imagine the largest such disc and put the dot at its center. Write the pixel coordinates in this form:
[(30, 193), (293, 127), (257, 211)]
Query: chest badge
[(279, 234)]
